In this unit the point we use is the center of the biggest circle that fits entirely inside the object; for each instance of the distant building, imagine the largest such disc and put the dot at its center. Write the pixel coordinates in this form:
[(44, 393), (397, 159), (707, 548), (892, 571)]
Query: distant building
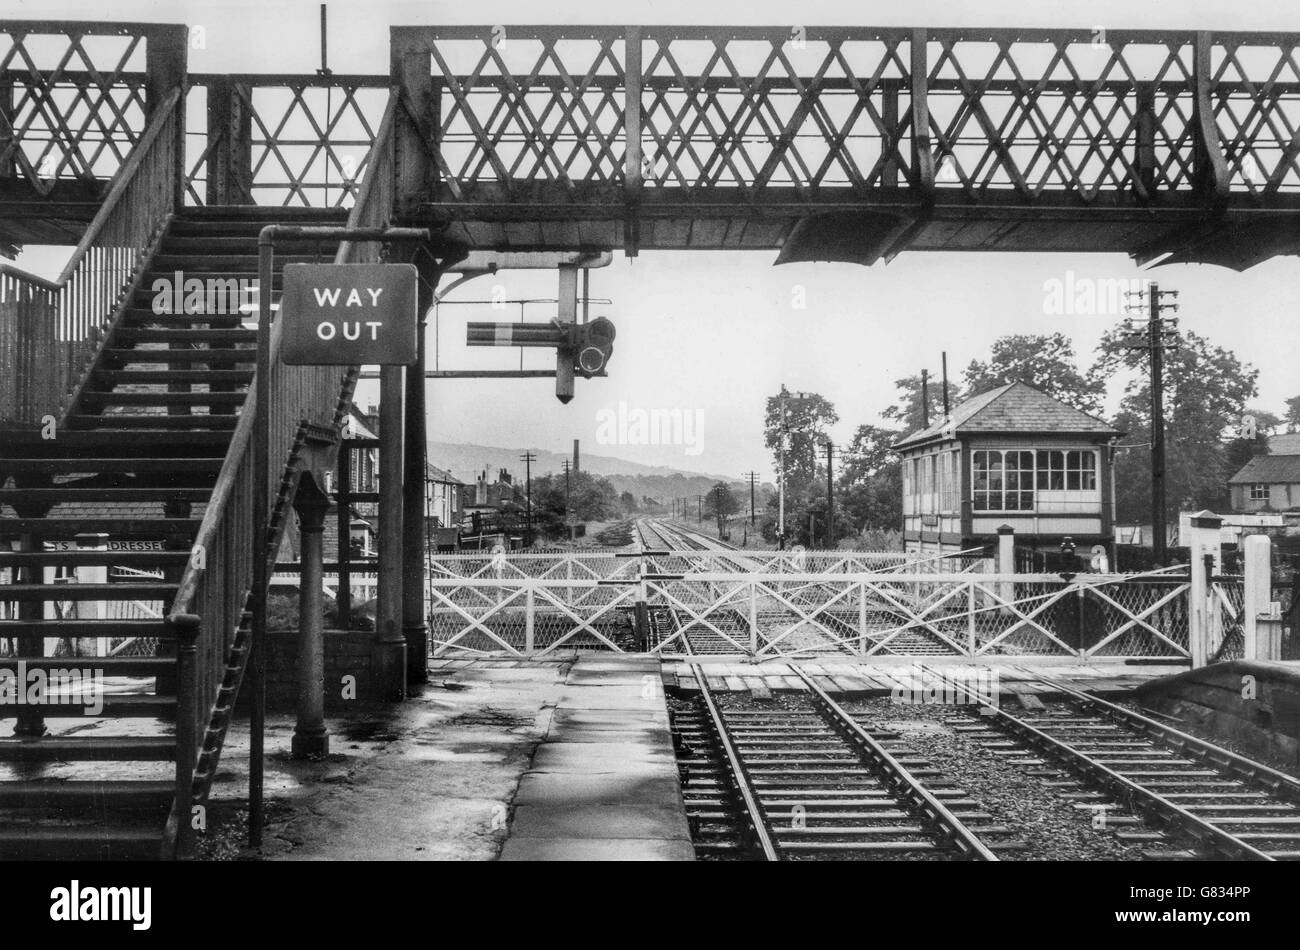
[(442, 508), (1269, 484), (1009, 456), (491, 505)]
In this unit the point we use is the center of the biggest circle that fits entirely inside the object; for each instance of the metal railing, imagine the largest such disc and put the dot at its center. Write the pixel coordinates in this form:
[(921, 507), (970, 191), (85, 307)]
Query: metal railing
[(213, 598), (819, 113), (288, 140), (50, 330), (772, 615), (75, 96)]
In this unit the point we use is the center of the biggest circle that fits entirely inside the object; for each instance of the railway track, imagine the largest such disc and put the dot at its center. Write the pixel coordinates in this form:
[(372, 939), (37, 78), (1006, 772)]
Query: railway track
[(807, 780), (1227, 806)]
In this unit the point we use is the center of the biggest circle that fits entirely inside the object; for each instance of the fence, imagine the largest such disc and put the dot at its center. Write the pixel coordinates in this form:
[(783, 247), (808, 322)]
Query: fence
[(499, 607), (50, 330)]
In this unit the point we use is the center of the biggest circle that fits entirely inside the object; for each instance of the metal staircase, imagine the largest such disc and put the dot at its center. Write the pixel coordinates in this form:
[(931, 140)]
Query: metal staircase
[(118, 495)]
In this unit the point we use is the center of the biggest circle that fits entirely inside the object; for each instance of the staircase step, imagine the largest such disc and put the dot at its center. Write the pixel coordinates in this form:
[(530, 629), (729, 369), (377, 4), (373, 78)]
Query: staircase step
[(157, 421), (71, 494), (85, 749), (103, 466), (136, 559), (236, 257), (83, 628), (37, 593), (154, 335), (244, 355), (66, 529), (116, 706), (80, 844), (164, 377), (140, 317), (140, 795), (108, 665), (164, 398)]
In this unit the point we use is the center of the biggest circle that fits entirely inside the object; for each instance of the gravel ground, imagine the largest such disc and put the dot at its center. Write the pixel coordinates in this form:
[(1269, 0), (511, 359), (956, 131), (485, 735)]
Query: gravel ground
[(1051, 826)]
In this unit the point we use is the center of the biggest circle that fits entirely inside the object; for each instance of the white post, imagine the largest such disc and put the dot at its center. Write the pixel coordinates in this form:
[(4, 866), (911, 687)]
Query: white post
[(862, 618), (1006, 562), (753, 618), (530, 617), (92, 609), (1257, 591), (1202, 542)]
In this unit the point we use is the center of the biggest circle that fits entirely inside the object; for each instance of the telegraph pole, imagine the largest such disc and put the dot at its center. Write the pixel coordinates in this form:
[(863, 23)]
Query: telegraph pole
[(699, 509), (1155, 343), (567, 523), (753, 479), (528, 458), (780, 475), (925, 399), (830, 498)]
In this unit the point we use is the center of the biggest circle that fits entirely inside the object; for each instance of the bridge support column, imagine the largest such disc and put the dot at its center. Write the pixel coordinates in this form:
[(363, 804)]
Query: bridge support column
[(388, 646), (415, 628), (310, 737), (1203, 549)]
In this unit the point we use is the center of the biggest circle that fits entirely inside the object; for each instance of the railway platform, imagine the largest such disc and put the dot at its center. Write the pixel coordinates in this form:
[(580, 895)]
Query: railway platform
[(603, 784)]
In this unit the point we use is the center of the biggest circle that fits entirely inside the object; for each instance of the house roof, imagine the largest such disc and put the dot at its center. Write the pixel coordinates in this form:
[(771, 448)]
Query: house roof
[(442, 475), (1287, 444), (1015, 407), (1269, 469)]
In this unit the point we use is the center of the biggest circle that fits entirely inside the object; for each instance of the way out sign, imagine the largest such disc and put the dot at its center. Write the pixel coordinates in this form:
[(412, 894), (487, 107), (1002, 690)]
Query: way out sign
[(349, 314)]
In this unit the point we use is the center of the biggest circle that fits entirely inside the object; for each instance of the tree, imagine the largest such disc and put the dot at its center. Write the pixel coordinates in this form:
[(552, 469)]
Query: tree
[(719, 503), (1207, 390), (1293, 414), (589, 498), (870, 484), (907, 414), (807, 417), (1045, 361)]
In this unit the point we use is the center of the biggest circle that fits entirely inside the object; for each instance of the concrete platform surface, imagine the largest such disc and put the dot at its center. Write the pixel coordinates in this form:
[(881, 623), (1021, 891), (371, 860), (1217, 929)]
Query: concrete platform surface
[(603, 784)]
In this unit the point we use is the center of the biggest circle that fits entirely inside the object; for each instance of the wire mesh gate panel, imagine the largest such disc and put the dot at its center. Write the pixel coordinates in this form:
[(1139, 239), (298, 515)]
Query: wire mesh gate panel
[(536, 605)]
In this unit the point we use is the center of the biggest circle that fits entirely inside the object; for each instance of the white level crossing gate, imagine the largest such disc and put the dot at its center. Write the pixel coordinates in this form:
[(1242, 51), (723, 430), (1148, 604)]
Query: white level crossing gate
[(837, 604)]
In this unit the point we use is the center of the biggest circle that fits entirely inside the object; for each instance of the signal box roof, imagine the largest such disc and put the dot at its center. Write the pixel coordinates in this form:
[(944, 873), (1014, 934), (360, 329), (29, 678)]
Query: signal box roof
[(1014, 409)]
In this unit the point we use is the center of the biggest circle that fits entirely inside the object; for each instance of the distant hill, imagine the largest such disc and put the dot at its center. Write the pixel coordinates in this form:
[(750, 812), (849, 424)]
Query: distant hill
[(465, 461)]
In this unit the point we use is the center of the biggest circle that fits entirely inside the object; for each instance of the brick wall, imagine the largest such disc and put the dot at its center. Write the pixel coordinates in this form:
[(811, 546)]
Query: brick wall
[(347, 653)]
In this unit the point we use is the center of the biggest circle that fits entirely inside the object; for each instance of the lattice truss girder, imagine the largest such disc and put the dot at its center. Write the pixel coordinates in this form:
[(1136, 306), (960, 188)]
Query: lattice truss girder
[(72, 105), (310, 139), (1049, 112)]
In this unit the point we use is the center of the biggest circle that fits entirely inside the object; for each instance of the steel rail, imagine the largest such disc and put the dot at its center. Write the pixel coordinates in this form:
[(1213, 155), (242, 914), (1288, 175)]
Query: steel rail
[(1134, 795), (1279, 783), (736, 769), (896, 775)]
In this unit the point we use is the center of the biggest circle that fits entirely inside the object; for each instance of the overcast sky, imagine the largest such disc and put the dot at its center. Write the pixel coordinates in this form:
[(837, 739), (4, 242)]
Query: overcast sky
[(714, 333)]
